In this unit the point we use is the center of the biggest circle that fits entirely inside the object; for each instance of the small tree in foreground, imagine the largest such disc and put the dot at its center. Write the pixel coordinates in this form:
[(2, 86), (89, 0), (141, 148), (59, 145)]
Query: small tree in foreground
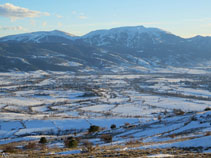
[(43, 140), (93, 129), (73, 143), (113, 126), (88, 146), (107, 138), (207, 109), (9, 149)]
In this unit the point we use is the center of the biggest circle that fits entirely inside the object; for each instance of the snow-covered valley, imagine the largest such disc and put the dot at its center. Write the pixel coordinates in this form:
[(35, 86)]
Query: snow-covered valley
[(156, 110)]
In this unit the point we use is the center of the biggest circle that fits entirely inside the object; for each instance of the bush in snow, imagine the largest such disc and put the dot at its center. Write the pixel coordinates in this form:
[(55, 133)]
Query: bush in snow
[(207, 109), (107, 138), (208, 133), (178, 112), (159, 117), (43, 140), (88, 146), (113, 126), (30, 145), (93, 129), (72, 143), (9, 149)]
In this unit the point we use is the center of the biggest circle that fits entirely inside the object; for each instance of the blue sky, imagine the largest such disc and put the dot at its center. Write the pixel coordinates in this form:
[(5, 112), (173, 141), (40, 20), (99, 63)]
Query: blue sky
[(185, 18)]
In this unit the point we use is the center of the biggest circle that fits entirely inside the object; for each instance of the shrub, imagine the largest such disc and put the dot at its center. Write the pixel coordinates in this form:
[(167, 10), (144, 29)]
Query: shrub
[(159, 117), (165, 112), (88, 146), (70, 138), (172, 136), (107, 138), (75, 133), (133, 141), (208, 133), (127, 124), (113, 126), (94, 128), (43, 140), (193, 118), (178, 112), (9, 149), (207, 109), (73, 143), (30, 145)]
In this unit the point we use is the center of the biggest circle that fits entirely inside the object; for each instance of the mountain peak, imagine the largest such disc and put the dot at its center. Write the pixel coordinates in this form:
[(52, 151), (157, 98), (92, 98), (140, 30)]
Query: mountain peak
[(58, 32), (130, 30), (36, 37), (129, 36)]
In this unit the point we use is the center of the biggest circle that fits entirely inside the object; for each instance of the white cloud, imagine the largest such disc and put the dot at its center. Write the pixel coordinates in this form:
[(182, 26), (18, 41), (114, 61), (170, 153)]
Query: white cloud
[(13, 28), (14, 12), (83, 17)]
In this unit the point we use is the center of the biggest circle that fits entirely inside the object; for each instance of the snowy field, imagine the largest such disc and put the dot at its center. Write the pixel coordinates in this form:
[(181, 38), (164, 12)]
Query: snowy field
[(60, 103)]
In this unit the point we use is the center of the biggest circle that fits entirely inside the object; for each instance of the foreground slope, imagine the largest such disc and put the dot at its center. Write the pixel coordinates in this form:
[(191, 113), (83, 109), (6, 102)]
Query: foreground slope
[(164, 112)]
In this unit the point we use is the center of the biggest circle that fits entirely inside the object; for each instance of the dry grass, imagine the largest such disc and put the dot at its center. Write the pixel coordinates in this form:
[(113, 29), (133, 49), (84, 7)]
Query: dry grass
[(105, 151)]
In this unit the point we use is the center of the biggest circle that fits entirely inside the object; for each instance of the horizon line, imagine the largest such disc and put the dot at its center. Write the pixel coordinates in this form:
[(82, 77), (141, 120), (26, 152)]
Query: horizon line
[(51, 30)]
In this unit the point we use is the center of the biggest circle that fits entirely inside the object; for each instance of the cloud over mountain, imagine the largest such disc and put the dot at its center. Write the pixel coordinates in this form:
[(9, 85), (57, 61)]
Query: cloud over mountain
[(15, 12)]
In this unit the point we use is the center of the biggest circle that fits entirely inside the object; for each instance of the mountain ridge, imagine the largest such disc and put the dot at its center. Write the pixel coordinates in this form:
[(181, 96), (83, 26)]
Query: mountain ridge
[(123, 49), (2, 39), (36, 36)]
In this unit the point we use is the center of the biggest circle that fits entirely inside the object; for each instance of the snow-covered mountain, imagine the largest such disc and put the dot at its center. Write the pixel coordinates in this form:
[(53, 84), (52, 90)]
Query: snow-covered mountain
[(119, 49), (39, 37), (132, 37)]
